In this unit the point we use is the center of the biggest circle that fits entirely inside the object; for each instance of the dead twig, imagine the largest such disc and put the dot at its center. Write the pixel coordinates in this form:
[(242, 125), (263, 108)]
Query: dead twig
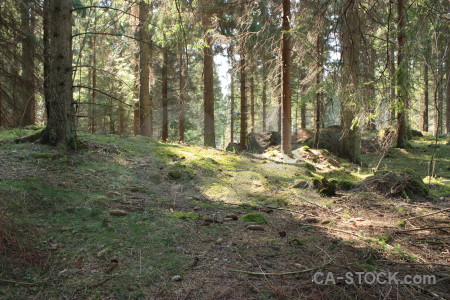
[(285, 209), (420, 229), (283, 273), (430, 214)]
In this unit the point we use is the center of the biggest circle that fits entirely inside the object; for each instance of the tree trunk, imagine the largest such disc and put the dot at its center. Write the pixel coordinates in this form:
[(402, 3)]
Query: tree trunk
[(351, 141), (370, 125), (402, 139), (28, 103), (165, 99), (319, 94), (209, 134), (243, 135), (93, 118), (46, 53), (136, 121), (145, 105), (286, 147), (303, 116), (448, 89), (231, 60), (182, 98), (426, 91), (60, 109), (252, 102), (264, 97)]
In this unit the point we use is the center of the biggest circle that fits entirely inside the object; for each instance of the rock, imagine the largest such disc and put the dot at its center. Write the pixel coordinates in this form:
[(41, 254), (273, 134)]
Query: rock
[(255, 227), (197, 208), (303, 184), (329, 138), (233, 147), (324, 222), (176, 278), (304, 134), (260, 142), (219, 241), (416, 133), (118, 212)]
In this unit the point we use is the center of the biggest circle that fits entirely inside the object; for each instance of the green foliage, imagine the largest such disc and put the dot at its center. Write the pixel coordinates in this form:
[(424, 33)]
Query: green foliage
[(185, 215)]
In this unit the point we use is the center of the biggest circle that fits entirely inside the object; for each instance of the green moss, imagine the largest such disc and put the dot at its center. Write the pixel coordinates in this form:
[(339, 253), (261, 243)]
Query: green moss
[(305, 148), (180, 172), (401, 223), (256, 218), (344, 185), (309, 167)]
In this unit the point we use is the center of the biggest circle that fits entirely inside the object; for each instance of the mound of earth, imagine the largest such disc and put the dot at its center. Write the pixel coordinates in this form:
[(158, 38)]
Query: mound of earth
[(404, 184)]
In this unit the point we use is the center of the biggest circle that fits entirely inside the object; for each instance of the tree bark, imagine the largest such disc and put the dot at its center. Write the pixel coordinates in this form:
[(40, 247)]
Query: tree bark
[(319, 94), (182, 98), (426, 96), (243, 133), (28, 103), (286, 124), (165, 99), (402, 139), (231, 60), (264, 96), (93, 119), (448, 88), (145, 105), (252, 102), (209, 134), (351, 140), (60, 107)]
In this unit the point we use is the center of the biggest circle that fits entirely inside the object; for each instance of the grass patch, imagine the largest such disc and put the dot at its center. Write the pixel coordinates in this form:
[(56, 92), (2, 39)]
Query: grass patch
[(185, 216)]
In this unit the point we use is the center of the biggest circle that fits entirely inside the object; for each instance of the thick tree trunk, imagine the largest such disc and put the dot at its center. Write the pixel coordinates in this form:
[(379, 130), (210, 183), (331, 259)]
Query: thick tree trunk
[(426, 96), (165, 99), (209, 133), (351, 140), (252, 102), (145, 105), (448, 88), (264, 97), (60, 109), (182, 99), (28, 103), (286, 147), (402, 139), (230, 57), (243, 134), (46, 53), (319, 94)]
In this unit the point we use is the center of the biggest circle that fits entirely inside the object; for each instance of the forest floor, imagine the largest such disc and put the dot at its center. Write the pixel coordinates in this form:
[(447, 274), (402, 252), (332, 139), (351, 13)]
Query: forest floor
[(131, 218)]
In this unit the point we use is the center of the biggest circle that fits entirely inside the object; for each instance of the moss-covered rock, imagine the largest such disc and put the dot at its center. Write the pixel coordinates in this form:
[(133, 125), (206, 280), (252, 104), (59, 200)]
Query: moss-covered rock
[(255, 218)]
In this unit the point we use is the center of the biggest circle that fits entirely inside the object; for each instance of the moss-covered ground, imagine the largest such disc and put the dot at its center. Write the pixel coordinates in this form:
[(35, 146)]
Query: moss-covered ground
[(122, 216)]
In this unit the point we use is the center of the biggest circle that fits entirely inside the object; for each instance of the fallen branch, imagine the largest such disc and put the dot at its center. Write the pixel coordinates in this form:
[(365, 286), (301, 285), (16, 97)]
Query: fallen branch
[(286, 209), (416, 264), (283, 273), (21, 282), (430, 214), (420, 229)]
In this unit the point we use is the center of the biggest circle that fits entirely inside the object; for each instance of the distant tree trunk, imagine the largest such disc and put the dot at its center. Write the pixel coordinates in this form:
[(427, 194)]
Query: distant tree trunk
[(60, 109), (351, 140), (370, 125), (1, 105), (231, 59), (145, 105), (264, 97), (182, 98), (209, 133), (402, 139), (136, 121), (112, 128), (392, 96), (165, 99), (279, 96), (122, 126), (319, 94), (243, 135), (286, 124), (252, 102), (303, 116), (28, 107), (426, 100), (93, 118)]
